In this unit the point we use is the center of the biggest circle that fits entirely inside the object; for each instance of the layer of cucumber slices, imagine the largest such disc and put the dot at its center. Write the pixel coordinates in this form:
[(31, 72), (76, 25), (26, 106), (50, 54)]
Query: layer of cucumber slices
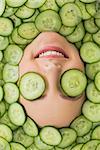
[(20, 23)]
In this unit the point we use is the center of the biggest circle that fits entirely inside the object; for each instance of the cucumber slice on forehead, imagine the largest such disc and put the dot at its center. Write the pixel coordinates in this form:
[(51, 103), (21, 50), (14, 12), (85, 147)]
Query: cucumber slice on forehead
[(70, 14), (81, 125), (40, 144), (73, 82), (50, 136), (68, 137), (48, 20), (32, 85)]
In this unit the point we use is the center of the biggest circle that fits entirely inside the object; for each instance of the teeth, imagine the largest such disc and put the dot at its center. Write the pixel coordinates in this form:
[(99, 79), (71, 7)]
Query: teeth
[(51, 53)]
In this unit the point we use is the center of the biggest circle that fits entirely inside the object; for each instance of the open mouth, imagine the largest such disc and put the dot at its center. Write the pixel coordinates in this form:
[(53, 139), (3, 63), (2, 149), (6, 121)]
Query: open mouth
[(51, 52)]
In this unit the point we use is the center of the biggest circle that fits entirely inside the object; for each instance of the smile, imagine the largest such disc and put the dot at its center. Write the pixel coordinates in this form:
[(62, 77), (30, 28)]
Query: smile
[(51, 52)]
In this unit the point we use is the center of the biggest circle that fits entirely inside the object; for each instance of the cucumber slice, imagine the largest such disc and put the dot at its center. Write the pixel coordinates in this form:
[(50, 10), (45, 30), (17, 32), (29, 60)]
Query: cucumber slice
[(50, 135), (11, 93), (78, 44), (81, 125), (16, 114), (6, 26), (91, 111), (92, 93), (15, 3), (97, 22), (32, 85), (17, 21), (5, 120), (2, 108), (1, 70), (4, 42), (64, 30), (2, 6), (96, 133), (35, 3), (49, 4), (89, 1), (24, 12), (9, 11), (82, 6), (70, 14), (1, 93), (90, 26), (97, 81), (85, 138), (10, 41), (32, 147), (22, 138), (96, 37), (5, 132), (68, 137), (98, 147), (16, 146), (90, 52), (30, 127), (10, 73), (92, 69), (4, 145), (62, 2), (87, 37), (91, 8), (41, 145), (32, 19), (28, 30), (18, 39), (77, 34), (71, 82), (1, 55), (77, 147), (13, 54), (91, 145), (48, 20)]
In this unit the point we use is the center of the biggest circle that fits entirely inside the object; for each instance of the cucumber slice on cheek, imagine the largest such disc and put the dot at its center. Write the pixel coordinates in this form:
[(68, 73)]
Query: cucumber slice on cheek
[(31, 86), (73, 82)]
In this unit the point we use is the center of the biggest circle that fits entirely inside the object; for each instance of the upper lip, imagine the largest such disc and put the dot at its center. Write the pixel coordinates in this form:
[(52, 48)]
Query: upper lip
[(50, 48)]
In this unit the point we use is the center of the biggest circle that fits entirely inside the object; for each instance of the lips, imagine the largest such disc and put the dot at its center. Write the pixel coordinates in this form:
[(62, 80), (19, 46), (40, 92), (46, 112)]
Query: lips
[(51, 48)]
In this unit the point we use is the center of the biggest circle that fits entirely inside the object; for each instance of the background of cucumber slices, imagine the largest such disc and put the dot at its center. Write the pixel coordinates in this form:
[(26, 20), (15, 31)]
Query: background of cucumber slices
[(20, 22)]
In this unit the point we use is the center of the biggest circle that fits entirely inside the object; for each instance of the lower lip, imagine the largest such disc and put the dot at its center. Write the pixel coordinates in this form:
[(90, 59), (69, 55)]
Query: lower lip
[(52, 56)]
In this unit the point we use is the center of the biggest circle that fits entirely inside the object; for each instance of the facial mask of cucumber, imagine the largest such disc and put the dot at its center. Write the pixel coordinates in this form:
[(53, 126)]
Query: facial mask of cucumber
[(20, 23)]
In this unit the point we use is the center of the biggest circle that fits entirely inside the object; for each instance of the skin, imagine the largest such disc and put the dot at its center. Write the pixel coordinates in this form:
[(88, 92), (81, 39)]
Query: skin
[(53, 108)]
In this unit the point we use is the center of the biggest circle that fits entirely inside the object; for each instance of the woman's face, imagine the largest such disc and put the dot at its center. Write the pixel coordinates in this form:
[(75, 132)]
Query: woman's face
[(53, 108)]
